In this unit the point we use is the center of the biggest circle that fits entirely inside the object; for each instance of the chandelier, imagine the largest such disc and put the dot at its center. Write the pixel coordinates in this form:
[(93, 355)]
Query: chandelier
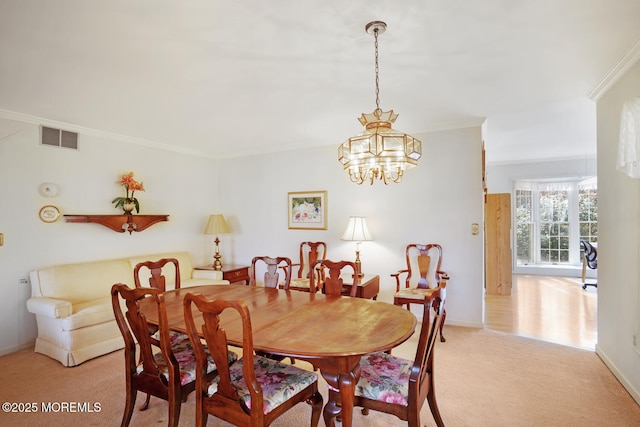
[(379, 152)]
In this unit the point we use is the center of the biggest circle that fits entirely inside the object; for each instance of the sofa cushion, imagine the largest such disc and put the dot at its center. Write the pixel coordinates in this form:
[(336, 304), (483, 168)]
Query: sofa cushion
[(89, 313), (81, 282)]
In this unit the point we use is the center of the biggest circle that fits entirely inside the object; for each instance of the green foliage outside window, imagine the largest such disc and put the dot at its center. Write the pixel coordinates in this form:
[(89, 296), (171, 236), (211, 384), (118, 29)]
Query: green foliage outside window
[(543, 220)]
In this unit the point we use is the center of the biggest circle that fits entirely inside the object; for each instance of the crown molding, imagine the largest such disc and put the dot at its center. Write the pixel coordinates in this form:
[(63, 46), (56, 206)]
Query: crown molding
[(622, 66), (26, 118), (454, 124), (542, 160)]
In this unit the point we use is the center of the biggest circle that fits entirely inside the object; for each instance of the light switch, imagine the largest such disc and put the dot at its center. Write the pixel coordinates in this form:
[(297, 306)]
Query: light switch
[(475, 229)]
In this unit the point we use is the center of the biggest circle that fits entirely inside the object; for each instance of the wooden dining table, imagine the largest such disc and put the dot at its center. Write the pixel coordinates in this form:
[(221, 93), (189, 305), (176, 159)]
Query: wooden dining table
[(330, 332)]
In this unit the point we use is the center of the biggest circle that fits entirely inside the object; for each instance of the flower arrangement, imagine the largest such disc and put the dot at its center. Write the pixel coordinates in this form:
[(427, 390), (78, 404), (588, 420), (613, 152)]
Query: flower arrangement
[(129, 202)]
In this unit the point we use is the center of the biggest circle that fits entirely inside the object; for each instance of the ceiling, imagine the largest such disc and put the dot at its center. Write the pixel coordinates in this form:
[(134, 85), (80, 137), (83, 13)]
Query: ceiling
[(230, 78)]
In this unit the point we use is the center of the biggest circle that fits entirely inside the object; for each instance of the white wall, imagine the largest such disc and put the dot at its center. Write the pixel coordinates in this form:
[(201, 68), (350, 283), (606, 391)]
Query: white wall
[(436, 202), (182, 186), (618, 237)]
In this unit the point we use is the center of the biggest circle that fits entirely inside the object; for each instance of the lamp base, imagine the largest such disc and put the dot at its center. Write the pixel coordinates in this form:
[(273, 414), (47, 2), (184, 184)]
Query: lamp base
[(358, 265), (217, 264)]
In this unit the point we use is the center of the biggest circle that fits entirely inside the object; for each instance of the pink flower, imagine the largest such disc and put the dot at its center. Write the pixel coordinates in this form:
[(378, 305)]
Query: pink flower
[(392, 397)]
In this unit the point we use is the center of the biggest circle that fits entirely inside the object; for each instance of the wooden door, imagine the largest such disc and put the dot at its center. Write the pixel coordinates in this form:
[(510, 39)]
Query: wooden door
[(498, 259)]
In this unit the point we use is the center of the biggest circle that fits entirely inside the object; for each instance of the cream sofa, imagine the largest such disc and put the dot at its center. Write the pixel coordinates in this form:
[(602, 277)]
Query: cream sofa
[(72, 303)]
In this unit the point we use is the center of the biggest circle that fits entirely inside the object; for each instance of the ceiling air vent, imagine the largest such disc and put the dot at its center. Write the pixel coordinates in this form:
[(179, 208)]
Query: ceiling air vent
[(58, 138)]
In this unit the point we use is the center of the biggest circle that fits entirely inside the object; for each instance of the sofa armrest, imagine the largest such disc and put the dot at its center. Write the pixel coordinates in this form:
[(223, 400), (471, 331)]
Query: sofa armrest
[(49, 307), (214, 275)]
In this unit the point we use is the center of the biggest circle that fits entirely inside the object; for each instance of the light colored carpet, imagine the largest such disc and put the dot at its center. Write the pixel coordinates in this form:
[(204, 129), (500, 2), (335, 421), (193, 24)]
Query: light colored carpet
[(483, 378)]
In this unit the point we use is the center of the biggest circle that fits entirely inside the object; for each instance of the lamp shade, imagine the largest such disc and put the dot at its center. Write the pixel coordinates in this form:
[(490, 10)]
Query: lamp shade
[(216, 225), (357, 230)]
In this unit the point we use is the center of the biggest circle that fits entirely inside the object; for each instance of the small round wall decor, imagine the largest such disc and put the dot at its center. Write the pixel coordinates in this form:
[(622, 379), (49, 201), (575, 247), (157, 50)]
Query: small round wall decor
[(48, 189), (49, 213)]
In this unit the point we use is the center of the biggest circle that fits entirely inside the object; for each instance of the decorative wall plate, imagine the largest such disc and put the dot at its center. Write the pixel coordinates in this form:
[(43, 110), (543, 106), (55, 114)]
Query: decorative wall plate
[(49, 213)]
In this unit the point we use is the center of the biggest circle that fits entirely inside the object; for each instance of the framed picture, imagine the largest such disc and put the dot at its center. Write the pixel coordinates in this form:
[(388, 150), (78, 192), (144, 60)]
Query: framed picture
[(307, 210)]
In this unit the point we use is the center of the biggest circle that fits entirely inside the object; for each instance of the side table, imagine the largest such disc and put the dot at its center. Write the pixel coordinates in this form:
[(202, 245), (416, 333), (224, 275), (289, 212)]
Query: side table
[(232, 273), (368, 288)]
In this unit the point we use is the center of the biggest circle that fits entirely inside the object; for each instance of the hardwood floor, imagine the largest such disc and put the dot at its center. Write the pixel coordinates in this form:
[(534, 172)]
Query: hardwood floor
[(549, 308)]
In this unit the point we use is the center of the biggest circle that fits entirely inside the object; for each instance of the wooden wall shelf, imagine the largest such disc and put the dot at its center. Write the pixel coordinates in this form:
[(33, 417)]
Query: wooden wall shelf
[(120, 223)]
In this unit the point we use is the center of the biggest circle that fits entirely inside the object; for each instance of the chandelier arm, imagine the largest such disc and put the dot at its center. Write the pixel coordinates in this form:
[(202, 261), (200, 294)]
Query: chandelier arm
[(399, 173), (356, 177)]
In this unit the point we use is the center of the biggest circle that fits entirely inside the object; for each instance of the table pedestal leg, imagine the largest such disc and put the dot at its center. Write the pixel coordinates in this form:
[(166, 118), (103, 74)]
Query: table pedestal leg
[(346, 383)]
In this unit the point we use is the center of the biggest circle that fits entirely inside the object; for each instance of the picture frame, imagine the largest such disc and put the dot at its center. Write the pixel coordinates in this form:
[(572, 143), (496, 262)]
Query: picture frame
[(307, 210)]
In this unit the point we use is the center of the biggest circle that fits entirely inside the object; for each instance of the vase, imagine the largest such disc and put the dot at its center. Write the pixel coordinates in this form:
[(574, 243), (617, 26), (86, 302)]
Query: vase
[(128, 208)]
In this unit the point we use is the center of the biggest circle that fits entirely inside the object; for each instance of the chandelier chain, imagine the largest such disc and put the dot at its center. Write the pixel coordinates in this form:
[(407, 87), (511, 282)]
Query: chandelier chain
[(375, 33)]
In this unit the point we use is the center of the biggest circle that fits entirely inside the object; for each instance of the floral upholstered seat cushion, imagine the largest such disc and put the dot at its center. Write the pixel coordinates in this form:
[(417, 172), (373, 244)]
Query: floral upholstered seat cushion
[(300, 283), (174, 337), (416, 293), (279, 381), (184, 354), (385, 378)]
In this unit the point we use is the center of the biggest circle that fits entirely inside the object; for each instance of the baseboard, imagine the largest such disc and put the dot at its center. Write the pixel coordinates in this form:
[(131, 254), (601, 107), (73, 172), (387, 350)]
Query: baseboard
[(8, 350), (635, 394), (554, 270), (464, 324)]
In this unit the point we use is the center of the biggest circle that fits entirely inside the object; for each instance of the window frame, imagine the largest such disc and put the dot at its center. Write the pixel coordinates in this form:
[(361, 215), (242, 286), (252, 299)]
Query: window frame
[(572, 187)]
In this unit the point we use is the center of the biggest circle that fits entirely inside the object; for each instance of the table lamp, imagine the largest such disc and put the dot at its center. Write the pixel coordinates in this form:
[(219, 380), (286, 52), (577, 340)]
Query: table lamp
[(217, 225), (358, 232)]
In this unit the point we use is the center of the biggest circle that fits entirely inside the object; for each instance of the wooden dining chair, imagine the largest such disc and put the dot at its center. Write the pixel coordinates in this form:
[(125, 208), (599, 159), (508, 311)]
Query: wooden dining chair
[(157, 279), (398, 386), (421, 276), (271, 275), (253, 391), (271, 278), (161, 367), (310, 252), (332, 283)]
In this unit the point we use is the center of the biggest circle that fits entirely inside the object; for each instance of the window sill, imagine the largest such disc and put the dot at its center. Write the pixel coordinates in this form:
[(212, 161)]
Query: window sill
[(554, 270)]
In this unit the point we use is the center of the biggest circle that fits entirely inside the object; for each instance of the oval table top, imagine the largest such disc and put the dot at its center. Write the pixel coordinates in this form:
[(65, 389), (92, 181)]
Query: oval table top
[(301, 324)]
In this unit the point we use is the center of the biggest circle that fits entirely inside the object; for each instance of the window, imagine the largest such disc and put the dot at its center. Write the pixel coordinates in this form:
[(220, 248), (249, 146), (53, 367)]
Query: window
[(551, 219), (524, 227), (554, 226), (588, 210)]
